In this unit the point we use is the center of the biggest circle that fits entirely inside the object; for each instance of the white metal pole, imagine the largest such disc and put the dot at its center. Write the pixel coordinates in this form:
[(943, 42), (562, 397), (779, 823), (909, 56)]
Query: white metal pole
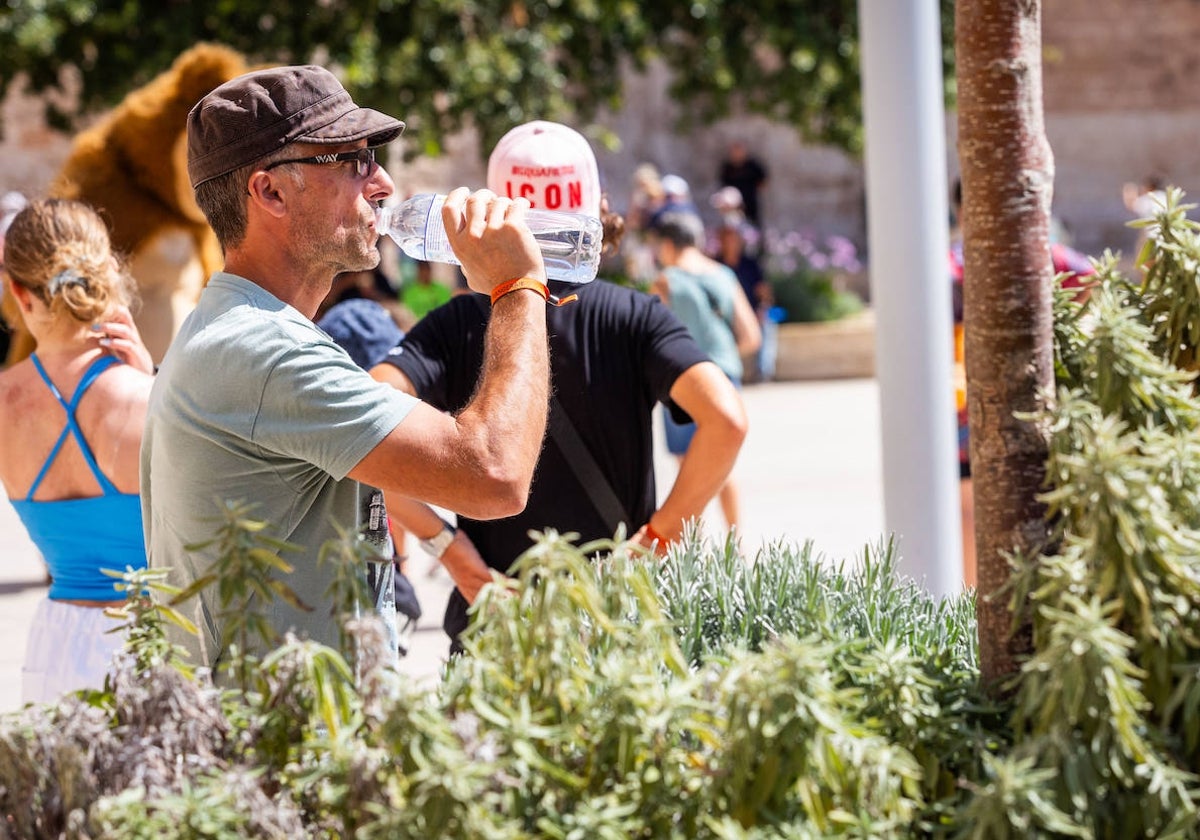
[(907, 224)]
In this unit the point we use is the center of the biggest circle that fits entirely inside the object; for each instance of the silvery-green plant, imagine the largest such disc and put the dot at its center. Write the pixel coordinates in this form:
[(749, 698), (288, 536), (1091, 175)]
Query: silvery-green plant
[(245, 576), (1107, 715)]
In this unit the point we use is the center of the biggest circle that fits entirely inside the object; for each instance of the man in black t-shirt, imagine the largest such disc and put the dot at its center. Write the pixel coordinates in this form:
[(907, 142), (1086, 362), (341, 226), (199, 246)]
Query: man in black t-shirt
[(615, 353)]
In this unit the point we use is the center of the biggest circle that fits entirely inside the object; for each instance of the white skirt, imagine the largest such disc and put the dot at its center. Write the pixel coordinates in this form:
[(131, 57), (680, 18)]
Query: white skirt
[(69, 648)]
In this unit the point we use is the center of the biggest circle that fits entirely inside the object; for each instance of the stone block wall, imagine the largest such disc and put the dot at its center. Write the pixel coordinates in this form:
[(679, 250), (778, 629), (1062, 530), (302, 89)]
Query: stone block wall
[(30, 152), (1122, 97)]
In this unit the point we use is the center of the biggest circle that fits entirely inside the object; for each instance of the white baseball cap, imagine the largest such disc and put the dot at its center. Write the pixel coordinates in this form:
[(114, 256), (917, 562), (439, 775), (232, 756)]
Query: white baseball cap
[(727, 198), (676, 186), (548, 163)]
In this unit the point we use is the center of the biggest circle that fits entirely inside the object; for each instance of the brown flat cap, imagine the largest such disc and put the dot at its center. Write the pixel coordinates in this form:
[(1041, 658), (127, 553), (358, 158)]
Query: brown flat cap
[(251, 116)]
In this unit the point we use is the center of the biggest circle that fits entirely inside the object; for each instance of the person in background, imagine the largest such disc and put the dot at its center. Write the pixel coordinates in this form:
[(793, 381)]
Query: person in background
[(72, 417), (747, 175), (1144, 200), (727, 201), (253, 402), (677, 195), (646, 198), (423, 294), (11, 204), (615, 353), (732, 252), (708, 299)]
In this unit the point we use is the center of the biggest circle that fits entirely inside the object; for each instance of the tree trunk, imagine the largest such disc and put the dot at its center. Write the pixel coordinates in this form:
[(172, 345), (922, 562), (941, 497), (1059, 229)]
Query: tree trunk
[(1007, 180)]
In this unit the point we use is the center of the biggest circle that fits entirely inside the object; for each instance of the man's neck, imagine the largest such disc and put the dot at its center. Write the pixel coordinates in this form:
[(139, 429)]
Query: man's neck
[(283, 280)]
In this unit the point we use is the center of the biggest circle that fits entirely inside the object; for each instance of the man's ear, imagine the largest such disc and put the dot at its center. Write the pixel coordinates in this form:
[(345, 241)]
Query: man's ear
[(267, 191)]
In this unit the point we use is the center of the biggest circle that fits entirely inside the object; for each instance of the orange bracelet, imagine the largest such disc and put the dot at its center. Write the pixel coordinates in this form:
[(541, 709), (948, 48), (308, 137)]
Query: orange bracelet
[(532, 284), (520, 283), (654, 536)]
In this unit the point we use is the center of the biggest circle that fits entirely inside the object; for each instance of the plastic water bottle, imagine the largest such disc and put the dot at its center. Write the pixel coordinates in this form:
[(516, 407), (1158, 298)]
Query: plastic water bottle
[(570, 242)]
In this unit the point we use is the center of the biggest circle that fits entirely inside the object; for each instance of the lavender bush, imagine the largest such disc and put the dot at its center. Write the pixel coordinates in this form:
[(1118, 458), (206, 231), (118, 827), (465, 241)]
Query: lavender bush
[(805, 273)]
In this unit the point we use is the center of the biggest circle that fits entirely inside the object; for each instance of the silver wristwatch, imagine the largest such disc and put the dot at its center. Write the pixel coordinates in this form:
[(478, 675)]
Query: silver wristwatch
[(436, 545)]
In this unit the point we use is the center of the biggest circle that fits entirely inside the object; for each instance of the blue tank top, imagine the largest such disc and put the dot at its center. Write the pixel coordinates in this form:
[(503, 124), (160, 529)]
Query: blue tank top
[(79, 537)]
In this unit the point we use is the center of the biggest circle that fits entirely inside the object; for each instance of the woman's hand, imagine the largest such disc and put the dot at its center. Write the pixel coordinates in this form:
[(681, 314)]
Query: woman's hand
[(119, 337)]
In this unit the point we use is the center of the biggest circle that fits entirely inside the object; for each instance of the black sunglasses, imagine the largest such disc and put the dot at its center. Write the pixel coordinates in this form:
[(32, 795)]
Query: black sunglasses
[(363, 160)]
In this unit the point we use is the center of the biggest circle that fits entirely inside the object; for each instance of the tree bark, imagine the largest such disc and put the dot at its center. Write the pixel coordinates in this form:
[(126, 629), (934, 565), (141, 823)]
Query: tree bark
[(1007, 180)]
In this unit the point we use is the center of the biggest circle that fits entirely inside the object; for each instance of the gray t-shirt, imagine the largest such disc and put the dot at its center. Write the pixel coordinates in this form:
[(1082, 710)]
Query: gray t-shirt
[(254, 403)]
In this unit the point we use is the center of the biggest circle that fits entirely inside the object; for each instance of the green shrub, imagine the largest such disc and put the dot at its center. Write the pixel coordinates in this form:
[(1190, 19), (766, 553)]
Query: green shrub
[(575, 714), (806, 296), (1107, 723)]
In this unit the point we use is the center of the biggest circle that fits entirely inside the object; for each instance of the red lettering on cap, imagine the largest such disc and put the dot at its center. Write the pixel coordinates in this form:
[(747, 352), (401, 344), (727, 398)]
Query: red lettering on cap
[(522, 191), (553, 194)]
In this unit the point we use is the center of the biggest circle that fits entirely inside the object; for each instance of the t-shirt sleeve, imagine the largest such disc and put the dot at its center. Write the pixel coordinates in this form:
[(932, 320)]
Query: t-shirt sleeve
[(320, 407), (443, 353)]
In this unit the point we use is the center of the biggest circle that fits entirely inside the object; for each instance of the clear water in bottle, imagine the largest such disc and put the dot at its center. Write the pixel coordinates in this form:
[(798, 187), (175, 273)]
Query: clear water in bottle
[(570, 242)]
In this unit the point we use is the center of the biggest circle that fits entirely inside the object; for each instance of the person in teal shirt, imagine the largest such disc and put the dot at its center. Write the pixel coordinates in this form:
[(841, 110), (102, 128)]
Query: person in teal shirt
[(708, 299)]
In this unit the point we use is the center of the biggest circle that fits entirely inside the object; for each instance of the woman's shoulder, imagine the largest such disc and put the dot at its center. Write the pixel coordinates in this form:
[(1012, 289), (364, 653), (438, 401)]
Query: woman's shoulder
[(123, 384), (128, 375), (15, 384), (9, 378)]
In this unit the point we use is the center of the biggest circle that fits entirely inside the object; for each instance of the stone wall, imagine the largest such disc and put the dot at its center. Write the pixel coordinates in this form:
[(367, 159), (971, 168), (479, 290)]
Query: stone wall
[(30, 153), (1122, 96)]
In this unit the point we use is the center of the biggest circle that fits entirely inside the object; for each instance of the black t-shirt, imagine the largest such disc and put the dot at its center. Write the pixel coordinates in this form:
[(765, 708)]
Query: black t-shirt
[(614, 353)]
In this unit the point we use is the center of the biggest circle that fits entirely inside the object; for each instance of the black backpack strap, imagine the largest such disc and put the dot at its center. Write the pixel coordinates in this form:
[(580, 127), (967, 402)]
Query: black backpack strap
[(587, 471)]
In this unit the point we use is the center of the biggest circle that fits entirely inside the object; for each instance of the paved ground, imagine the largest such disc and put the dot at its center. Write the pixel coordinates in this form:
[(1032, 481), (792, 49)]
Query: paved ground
[(810, 470)]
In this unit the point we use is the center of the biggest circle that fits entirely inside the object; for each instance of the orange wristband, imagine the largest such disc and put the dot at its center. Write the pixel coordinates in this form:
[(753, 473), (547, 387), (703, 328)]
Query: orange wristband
[(520, 283), (654, 536), (529, 283)]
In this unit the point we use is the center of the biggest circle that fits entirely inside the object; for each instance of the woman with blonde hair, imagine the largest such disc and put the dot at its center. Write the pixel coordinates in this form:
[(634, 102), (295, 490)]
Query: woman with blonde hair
[(72, 415)]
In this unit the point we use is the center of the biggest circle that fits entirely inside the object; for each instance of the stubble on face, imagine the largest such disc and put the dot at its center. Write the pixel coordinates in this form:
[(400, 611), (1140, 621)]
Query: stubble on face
[(331, 228)]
